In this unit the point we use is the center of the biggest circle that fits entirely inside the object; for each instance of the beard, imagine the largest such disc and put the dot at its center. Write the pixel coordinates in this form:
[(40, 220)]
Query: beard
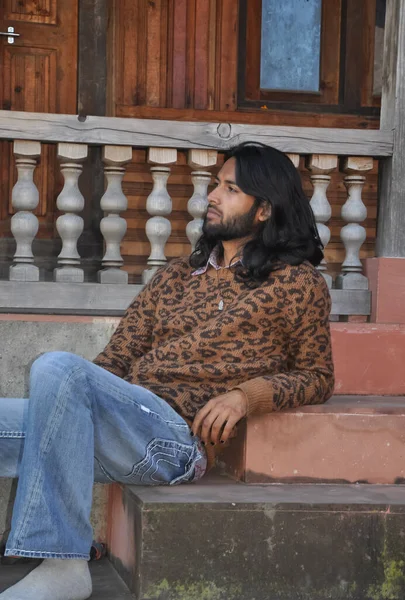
[(233, 228)]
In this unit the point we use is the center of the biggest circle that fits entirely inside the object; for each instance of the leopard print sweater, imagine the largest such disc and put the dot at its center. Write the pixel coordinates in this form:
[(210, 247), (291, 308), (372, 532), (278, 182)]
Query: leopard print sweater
[(271, 342)]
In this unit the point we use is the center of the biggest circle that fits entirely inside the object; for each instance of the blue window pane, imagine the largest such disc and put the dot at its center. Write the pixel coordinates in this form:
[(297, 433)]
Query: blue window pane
[(291, 45)]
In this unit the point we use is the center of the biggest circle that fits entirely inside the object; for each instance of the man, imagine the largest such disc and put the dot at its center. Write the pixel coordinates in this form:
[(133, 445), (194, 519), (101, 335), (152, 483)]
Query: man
[(240, 328)]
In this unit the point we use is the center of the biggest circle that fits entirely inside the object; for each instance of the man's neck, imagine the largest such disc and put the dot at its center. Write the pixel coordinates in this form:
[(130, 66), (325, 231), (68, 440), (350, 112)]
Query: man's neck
[(231, 249)]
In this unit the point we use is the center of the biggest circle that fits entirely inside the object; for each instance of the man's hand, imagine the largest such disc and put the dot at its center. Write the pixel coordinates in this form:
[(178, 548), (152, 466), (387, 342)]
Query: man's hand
[(216, 420)]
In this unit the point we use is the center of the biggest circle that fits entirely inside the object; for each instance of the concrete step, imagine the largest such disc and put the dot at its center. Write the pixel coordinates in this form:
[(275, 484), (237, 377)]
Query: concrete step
[(350, 439), (107, 584), (223, 540)]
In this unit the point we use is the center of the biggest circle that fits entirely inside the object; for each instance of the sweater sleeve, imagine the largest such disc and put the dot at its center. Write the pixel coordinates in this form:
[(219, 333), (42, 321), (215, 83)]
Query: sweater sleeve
[(310, 376), (133, 336)]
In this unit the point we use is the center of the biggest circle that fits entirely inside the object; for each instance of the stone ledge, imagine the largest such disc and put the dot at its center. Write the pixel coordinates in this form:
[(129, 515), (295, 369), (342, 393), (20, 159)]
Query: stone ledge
[(369, 358), (347, 440)]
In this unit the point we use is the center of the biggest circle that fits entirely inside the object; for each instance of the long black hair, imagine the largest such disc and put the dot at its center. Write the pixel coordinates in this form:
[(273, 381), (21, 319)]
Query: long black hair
[(289, 235)]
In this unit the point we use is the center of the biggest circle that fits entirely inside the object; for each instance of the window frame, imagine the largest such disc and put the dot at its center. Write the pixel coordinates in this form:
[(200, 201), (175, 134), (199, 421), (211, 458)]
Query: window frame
[(345, 86)]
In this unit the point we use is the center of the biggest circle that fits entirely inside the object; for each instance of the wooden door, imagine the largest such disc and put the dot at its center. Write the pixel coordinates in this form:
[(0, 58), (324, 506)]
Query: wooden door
[(38, 73)]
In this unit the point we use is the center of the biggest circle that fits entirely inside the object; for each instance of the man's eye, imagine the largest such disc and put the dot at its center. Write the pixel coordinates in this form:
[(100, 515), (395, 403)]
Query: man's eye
[(231, 189)]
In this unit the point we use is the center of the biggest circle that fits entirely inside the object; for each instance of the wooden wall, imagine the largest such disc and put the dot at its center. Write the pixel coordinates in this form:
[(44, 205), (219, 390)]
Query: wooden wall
[(178, 54)]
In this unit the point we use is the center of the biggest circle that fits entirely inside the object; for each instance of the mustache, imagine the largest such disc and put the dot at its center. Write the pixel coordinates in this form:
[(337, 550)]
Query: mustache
[(215, 210)]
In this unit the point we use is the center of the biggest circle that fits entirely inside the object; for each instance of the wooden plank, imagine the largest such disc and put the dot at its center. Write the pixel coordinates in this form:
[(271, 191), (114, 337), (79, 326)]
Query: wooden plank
[(330, 60), (154, 43), (190, 52), (276, 116), (212, 33), (92, 70), (177, 134), (229, 51), (391, 218), (250, 56), (179, 34), (164, 51), (113, 58), (354, 69), (369, 50), (201, 60), (140, 30)]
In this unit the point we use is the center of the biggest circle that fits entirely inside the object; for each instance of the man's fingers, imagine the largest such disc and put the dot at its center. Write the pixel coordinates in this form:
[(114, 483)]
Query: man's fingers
[(215, 422), (207, 424), (217, 427), (229, 426), (199, 418)]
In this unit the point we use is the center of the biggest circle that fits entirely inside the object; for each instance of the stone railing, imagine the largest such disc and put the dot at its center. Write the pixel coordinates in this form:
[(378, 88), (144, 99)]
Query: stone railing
[(325, 150)]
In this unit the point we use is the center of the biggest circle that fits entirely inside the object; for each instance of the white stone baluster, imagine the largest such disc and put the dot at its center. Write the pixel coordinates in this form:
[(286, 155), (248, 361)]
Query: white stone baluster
[(320, 165), (295, 159), (197, 205), (353, 234), (24, 224), (112, 226), (70, 201), (159, 206)]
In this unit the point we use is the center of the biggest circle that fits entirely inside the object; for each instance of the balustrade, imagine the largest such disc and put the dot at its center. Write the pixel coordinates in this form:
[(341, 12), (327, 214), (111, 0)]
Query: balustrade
[(25, 198), (113, 225)]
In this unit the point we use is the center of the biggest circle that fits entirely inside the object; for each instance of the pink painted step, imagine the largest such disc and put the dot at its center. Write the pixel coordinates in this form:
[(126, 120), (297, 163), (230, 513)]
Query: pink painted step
[(349, 439)]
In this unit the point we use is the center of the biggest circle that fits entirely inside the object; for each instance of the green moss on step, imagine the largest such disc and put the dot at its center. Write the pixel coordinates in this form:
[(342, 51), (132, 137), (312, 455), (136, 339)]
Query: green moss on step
[(194, 591), (393, 586)]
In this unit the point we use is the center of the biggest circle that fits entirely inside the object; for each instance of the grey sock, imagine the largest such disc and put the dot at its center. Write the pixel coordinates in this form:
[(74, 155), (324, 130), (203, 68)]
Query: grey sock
[(54, 579)]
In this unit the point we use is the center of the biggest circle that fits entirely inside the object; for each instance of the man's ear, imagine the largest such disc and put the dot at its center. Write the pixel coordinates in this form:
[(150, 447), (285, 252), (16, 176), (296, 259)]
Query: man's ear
[(264, 212)]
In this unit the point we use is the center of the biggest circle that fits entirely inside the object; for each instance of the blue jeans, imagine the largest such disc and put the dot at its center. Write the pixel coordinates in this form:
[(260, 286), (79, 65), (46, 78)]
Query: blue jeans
[(83, 424)]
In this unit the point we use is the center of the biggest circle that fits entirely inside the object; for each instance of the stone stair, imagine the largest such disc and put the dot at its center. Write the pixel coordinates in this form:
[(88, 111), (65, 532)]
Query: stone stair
[(225, 540), (304, 517), (107, 584)]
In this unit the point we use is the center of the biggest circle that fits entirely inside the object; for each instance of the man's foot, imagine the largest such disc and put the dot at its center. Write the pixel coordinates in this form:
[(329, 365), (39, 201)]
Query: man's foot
[(54, 579)]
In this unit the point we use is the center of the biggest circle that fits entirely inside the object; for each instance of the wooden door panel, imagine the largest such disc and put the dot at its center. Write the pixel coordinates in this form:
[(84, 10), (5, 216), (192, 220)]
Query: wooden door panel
[(38, 74), (29, 78), (30, 10)]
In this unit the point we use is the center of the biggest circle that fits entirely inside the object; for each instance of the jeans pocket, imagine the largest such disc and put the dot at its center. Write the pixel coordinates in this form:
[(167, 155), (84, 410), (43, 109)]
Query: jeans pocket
[(165, 461)]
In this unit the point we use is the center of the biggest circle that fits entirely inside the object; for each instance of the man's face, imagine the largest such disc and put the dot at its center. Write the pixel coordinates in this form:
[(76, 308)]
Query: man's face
[(231, 214)]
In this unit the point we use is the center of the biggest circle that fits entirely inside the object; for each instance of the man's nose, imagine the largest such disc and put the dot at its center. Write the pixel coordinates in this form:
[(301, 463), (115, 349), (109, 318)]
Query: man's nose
[(213, 197)]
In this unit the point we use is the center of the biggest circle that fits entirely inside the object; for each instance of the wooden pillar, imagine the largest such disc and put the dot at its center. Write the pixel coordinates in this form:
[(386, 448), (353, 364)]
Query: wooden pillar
[(391, 215), (91, 100)]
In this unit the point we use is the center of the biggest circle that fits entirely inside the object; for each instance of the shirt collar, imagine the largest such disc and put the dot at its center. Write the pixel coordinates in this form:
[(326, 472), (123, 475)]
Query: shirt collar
[(213, 262)]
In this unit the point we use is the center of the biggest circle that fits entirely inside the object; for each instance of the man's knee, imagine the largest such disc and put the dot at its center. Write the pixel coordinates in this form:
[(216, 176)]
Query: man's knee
[(51, 361)]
